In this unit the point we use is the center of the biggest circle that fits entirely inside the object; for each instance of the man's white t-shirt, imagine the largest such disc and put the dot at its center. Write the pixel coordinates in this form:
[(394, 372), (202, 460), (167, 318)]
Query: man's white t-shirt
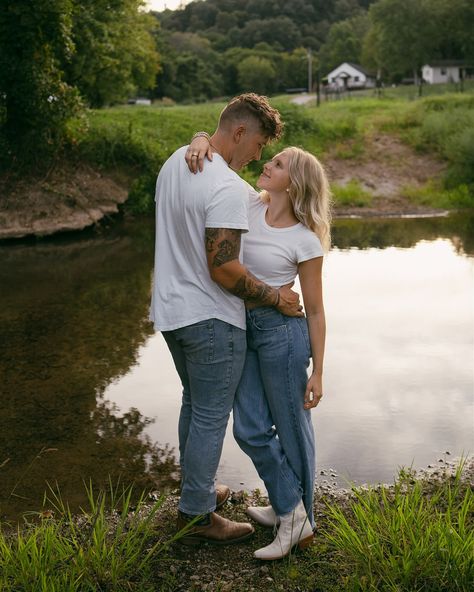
[(187, 204), (272, 254)]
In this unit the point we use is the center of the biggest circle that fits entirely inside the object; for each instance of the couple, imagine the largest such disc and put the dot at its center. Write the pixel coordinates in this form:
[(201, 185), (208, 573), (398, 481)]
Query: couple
[(225, 260)]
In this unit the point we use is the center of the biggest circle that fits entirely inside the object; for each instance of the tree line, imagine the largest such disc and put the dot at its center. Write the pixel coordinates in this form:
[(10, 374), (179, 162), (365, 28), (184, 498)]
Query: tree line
[(219, 47), (58, 57)]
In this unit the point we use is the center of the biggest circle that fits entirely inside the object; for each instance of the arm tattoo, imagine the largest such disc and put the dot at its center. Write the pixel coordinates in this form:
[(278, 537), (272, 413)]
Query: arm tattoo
[(226, 244), (249, 288)]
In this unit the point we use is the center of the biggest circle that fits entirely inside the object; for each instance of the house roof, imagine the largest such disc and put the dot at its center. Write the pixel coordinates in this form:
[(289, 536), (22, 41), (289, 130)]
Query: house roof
[(356, 66), (446, 63), (359, 67)]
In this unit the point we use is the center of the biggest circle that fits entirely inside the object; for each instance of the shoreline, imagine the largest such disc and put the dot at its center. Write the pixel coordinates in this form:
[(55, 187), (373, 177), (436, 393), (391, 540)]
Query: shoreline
[(73, 213)]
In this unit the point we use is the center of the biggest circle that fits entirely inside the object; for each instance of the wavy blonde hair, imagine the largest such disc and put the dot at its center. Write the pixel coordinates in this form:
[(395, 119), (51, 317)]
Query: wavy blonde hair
[(309, 193)]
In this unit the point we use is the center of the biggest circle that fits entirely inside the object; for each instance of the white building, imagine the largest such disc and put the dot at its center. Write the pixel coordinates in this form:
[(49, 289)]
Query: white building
[(350, 76), (442, 71)]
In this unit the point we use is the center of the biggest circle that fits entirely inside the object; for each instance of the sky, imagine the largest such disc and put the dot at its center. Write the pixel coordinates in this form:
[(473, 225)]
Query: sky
[(160, 4)]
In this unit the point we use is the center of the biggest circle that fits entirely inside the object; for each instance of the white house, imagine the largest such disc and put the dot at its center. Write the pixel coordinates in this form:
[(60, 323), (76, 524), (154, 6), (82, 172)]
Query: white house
[(442, 71), (350, 76)]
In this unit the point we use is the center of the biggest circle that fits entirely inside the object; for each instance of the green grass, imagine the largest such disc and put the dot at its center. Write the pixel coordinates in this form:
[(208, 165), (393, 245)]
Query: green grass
[(410, 537), (439, 197), (139, 139), (351, 194), (110, 546)]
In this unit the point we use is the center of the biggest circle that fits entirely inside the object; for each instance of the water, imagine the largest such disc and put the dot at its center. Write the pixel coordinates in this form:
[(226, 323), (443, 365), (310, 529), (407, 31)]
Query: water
[(88, 390)]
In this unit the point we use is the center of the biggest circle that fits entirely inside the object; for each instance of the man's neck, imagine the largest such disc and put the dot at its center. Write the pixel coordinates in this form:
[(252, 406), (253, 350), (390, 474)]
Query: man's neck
[(220, 144)]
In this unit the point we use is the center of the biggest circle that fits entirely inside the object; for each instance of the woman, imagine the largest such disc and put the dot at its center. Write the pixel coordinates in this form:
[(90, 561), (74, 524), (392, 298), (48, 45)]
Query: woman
[(289, 229)]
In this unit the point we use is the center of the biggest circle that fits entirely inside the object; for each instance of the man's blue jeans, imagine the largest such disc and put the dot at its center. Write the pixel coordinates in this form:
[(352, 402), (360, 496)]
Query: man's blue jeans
[(270, 422), (209, 357)]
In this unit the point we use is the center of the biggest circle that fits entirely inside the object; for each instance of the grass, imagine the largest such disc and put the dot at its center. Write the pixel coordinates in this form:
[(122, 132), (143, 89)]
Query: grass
[(410, 537), (107, 547), (415, 535), (140, 139), (351, 194)]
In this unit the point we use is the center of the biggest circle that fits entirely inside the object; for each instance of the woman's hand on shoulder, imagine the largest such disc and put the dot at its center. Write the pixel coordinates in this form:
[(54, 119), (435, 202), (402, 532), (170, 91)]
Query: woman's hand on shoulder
[(314, 391), (199, 148)]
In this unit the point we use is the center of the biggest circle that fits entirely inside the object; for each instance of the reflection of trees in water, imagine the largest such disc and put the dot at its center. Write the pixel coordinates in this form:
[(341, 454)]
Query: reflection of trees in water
[(406, 232), (73, 315)]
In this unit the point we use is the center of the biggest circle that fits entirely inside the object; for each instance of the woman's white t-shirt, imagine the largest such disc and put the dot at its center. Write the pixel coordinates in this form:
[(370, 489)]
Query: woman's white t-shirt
[(272, 254)]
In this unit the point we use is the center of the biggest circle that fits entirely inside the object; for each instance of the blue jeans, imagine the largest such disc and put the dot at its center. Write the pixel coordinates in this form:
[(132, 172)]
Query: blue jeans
[(270, 423), (209, 357)]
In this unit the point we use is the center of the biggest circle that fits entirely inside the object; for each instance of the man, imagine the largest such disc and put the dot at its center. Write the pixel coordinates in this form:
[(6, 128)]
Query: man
[(198, 300)]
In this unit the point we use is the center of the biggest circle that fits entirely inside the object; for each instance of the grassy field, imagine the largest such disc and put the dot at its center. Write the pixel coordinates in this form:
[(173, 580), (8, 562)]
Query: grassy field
[(139, 139)]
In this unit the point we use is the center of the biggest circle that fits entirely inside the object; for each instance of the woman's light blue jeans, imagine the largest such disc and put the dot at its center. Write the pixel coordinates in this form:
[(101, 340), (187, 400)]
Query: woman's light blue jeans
[(270, 423), (209, 357)]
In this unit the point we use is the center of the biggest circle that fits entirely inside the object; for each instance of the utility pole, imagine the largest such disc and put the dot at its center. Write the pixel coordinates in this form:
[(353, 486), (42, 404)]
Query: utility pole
[(310, 70)]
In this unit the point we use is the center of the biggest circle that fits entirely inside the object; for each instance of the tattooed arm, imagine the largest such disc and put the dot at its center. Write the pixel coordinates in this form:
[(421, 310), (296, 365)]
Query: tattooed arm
[(222, 249)]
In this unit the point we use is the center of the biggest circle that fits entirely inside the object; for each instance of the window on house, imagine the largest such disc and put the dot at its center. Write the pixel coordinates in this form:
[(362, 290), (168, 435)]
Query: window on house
[(443, 71), (356, 79)]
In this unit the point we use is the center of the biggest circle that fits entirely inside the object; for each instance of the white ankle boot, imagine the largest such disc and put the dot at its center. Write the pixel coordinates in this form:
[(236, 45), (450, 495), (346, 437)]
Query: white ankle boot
[(295, 529), (264, 515)]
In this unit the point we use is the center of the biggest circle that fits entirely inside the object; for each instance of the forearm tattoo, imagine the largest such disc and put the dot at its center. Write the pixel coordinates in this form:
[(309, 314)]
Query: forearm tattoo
[(223, 245), (226, 244), (249, 288)]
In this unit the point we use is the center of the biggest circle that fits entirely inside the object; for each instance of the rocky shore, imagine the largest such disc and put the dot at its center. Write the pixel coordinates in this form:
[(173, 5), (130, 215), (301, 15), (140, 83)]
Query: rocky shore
[(233, 568)]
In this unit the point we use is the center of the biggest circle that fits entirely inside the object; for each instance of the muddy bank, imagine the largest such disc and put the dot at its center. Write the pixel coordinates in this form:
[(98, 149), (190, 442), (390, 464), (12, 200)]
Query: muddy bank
[(66, 199)]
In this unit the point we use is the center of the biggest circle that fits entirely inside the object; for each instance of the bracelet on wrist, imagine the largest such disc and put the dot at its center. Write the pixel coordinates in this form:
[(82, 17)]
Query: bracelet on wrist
[(201, 135)]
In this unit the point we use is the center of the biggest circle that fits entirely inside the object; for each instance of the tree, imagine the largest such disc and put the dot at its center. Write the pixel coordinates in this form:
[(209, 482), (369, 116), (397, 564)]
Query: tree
[(403, 34), (36, 104), (257, 74), (344, 42), (115, 51)]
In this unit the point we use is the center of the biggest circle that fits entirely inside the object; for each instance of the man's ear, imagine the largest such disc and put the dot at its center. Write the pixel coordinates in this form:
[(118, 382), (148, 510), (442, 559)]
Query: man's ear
[(239, 133)]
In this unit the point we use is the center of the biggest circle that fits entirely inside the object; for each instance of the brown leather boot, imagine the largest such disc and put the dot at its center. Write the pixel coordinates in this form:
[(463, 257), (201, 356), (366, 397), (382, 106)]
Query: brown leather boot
[(217, 531), (222, 495)]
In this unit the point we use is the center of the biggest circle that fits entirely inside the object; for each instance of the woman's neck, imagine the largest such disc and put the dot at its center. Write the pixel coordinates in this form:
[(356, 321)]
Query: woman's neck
[(280, 212)]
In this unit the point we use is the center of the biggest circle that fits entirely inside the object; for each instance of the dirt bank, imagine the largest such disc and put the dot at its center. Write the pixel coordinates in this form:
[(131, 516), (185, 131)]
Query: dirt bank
[(384, 167), (68, 198), (75, 197)]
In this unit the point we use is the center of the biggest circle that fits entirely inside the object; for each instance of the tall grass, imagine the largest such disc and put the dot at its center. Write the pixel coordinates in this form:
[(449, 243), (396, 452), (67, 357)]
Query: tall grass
[(414, 536), (107, 547)]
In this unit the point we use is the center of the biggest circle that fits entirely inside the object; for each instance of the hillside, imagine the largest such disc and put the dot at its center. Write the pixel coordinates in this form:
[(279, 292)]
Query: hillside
[(386, 157)]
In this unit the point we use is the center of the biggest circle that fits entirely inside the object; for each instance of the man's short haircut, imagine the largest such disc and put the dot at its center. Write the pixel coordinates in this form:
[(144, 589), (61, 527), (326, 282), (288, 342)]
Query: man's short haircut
[(255, 107)]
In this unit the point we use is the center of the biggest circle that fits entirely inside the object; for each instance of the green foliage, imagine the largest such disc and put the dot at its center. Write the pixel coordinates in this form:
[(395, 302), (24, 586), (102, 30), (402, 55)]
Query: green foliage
[(257, 75), (114, 50), (344, 42), (36, 104), (405, 34), (107, 547), (351, 194), (437, 197), (414, 536)]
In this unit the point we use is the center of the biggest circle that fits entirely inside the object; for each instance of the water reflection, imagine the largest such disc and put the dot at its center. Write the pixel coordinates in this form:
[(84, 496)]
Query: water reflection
[(72, 317), (405, 232), (81, 371)]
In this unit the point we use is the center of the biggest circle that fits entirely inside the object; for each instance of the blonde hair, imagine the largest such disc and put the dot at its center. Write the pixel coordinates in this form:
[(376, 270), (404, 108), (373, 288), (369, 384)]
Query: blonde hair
[(309, 193)]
